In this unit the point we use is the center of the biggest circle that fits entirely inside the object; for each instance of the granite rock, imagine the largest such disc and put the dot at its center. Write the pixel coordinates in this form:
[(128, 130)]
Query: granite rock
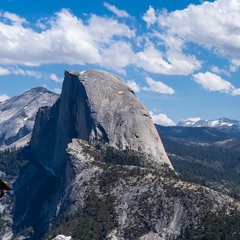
[(95, 105)]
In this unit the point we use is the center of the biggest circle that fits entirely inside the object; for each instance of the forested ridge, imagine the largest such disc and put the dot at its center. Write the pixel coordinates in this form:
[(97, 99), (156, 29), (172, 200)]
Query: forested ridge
[(210, 166)]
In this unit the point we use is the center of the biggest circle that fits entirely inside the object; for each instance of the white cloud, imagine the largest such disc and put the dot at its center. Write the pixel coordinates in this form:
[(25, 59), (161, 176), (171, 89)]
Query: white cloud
[(236, 92), (235, 64), (57, 90), (153, 86), (213, 82), (212, 25), (182, 64), (109, 43), (157, 86), (55, 78), (102, 30), (116, 11), (19, 71), (64, 38), (4, 71), (30, 73), (35, 74), (151, 59), (67, 39), (118, 56), (15, 19), (217, 70), (133, 85), (149, 17), (173, 62), (162, 119), (3, 97), (41, 23)]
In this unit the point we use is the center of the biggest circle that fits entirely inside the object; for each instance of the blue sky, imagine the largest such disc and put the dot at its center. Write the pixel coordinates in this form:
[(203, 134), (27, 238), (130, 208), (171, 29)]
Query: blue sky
[(182, 58)]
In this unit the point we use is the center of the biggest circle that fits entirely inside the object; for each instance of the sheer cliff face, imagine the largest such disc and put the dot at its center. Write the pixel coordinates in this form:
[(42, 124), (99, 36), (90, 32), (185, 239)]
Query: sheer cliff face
[(77, 184), (95, 105)]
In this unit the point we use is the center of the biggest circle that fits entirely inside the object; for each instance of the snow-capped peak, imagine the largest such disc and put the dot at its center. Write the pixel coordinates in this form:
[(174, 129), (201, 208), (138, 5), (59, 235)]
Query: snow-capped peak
[(188, 122), (220, 122), (62, 237)]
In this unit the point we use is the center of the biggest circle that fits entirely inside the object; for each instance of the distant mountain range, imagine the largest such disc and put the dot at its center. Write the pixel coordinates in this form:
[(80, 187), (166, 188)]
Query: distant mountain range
[(205, 155), (219, 123), (229, 126)]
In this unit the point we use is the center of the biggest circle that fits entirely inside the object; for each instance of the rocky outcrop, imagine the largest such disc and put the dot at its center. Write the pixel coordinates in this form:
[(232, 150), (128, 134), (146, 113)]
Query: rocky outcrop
[(114, 201), (17, 115), (87, 176), (95, 105)]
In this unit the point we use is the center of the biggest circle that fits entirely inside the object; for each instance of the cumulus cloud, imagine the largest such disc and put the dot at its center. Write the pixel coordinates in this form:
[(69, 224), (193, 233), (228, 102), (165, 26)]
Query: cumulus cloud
[(118, 56), (217, 70), (110, 43), (35, 74), (236, 92), (162, 119), (116, 11), (19, 71), (55, 78), (235, 64), (213, 82), (170, 62), (4, 71), (57, 90), (133, 85), (13, 18), (67, 39), (196, 24), (3, 97), (150, 17), (151, 59), (30, 73), (158, 86), (153, 86)]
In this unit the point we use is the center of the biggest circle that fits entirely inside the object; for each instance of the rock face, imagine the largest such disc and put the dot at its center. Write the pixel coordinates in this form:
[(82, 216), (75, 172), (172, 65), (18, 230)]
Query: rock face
[(86, 176), (17, 114), (95, 105)]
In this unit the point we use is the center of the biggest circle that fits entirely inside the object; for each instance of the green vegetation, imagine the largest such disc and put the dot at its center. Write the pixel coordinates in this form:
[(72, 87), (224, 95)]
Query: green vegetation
[(94, 221), (210, 166), (97, 217), (11, 162), (111, 155), (126, 157), (222, 227), (152, 194)]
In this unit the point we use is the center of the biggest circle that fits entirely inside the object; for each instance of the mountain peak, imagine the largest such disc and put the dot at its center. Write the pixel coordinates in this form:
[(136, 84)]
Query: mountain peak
[(38, 90), (95, 104), (219, 122), (17, 114)]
